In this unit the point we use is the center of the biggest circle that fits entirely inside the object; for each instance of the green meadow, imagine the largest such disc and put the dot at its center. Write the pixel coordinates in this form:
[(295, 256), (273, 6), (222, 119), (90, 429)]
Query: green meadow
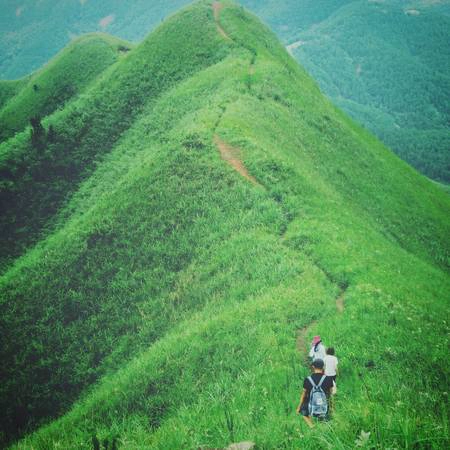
[(153, 297)]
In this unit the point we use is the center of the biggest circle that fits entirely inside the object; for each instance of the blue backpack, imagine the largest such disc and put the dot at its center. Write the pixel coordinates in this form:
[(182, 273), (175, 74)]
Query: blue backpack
[(318, 403)]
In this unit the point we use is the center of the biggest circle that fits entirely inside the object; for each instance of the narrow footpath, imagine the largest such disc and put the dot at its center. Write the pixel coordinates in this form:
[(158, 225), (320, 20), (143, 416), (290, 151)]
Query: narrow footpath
[(232, 156), (303, 345), (217, 7)]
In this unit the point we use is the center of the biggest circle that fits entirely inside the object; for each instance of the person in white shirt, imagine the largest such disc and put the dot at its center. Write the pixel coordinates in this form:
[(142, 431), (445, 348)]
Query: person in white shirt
[(317, 349), (331, 364), (331, 371)]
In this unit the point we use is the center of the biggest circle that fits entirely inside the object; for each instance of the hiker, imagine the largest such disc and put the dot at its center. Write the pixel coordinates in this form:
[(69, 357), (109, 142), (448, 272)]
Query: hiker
[(314, 397), (331, 371), (331, 363), (317, 349)]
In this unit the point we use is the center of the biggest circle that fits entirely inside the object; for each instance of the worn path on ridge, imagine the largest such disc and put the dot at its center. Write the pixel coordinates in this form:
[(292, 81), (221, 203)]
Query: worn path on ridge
[(232, 156), (217, 7), (302, 344)]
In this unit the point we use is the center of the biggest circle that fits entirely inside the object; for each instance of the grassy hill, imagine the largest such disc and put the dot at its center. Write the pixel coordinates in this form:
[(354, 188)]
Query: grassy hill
[(209, 210), (24, 179), (383, 62), (63, 78)]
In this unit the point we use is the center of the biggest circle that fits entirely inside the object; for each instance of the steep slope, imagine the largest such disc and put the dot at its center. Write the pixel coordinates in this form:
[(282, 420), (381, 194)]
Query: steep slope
[(39, 171), (85, 131), (387, 65), (63, 78), (183, 283), (9, 88)]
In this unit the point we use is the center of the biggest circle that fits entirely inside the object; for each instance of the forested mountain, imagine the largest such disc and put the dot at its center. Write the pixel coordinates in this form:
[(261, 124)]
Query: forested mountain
[(194, 215), (389, 67), (385, 62)]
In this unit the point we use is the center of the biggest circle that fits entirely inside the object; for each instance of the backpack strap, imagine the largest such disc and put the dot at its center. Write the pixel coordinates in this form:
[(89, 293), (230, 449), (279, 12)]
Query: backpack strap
[(312, 382), (321, 381)]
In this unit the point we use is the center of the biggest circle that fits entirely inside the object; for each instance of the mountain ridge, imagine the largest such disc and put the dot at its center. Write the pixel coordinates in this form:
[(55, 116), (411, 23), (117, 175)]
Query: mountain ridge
[(55, 83), (169, 295), (397, 91)]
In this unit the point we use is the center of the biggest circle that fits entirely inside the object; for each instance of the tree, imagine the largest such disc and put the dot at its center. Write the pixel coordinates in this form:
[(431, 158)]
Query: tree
[(37, 133), (51, 134)]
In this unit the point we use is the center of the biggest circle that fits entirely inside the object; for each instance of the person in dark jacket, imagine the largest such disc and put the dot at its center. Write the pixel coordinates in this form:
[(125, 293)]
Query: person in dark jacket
[(317, 375)]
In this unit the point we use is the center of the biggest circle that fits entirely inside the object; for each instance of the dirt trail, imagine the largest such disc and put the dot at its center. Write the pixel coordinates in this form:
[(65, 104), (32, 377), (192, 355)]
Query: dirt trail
[(232, 156), (217, 7), (291, 47), (302, 333), (340, 304), (302, 344)]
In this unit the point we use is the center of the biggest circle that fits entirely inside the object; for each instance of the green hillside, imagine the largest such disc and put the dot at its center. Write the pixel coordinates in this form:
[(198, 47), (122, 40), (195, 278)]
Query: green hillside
[(202, 211), (385, 62), (9, 88), (63, 78)]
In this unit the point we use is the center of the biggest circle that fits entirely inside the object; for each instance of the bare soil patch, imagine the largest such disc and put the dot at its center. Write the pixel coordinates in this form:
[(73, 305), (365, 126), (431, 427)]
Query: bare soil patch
[(291, 47), (340, 304), (302, 344), (232, 156)]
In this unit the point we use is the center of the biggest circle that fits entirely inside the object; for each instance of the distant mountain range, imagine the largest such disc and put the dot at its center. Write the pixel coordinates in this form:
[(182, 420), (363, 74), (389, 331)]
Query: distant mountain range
[(388, 66)]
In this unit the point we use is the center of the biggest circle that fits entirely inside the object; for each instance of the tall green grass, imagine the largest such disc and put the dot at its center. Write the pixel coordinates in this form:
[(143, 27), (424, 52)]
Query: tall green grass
[(163, 310), (39, 177), (63, 78)]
